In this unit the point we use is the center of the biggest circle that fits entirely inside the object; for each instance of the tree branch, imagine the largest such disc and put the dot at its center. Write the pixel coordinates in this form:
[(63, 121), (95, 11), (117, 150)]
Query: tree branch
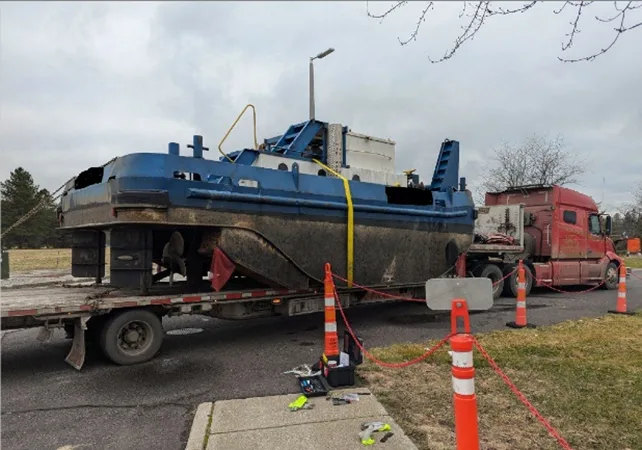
[(422, 19), (476, 22), (385, 14), (482, 10), (575, 24), (618, 31), (536, 161)]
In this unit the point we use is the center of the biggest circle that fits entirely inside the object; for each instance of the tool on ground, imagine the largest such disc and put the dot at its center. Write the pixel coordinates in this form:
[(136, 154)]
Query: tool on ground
[(312, 386), (303, 371), (344, 399), (300, 403), (368, 428), (387, 436)]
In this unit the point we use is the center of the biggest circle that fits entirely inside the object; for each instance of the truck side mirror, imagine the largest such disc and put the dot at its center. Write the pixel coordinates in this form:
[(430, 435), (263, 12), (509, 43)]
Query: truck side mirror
[(607, 226)]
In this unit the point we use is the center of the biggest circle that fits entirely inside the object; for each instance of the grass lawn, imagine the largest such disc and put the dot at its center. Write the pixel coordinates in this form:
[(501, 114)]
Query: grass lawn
[(634, 262), (49, 258), (585, 377)]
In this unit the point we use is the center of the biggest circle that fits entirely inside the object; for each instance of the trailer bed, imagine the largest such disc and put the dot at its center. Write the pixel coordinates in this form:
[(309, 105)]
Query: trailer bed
[(53, 300)]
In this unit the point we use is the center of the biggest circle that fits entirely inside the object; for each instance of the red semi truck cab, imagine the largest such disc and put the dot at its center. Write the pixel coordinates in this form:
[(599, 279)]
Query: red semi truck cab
[(565, 240)]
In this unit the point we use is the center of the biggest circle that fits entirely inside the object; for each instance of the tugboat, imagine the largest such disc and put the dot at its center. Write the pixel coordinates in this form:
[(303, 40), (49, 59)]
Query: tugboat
[(272, 215)]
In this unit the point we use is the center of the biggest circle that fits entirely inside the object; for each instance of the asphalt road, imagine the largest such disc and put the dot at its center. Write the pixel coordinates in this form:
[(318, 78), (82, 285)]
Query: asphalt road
[(48, 405)]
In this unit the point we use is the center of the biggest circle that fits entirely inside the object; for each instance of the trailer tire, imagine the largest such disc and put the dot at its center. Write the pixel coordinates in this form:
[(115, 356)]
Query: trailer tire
[(611, 276), (131, 336), (512, 281), (495, 274)]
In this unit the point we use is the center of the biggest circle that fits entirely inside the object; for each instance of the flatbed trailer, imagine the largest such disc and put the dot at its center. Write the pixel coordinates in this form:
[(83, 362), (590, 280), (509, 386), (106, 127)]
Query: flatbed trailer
[(127, 326)]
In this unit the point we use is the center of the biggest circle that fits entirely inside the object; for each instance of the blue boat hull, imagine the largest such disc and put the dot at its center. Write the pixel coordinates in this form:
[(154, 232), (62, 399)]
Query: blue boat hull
[(283, 227)]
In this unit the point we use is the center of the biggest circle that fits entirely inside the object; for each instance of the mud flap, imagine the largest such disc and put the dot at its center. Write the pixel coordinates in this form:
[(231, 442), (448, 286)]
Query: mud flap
[(76, 356), (478, 293), (44, 335)]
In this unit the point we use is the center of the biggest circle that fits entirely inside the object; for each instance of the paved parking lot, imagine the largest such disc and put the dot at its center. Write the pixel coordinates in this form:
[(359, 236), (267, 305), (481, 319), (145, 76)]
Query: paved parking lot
[(48, 405)]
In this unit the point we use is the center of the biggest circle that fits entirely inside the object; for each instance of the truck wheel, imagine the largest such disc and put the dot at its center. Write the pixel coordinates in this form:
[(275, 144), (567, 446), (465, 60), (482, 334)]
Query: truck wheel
[(512, 281), (495, 274), (611, 277), (131, 337)]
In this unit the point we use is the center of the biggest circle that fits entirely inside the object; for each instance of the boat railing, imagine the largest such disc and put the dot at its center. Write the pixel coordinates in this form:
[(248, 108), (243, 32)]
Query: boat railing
[(256, 143)]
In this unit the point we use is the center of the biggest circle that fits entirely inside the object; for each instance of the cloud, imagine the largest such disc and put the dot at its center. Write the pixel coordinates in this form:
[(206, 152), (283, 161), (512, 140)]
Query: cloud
[(84, 82)]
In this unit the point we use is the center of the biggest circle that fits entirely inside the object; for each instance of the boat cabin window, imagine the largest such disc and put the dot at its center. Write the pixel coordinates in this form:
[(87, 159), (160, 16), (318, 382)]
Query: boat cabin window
[(356, 178), (283, 166), (398, 195), (187, 176), (321, 173), (93, 175)]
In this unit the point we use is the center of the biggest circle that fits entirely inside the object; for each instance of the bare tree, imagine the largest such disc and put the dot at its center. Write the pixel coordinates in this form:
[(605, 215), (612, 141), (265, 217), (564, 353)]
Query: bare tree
[(637, 195), (476, 14), (536, 161)]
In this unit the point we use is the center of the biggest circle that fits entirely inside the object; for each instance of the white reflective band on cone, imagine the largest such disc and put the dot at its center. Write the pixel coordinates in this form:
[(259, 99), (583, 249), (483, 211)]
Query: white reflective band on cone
[(463, 359), (621, 294), (622, 279), (521, 304), (331, 327), (464, 387), (329, 301), (521, 285)]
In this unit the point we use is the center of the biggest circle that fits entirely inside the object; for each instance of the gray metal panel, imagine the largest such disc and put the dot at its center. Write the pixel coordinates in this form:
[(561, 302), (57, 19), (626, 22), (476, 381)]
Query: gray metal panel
[(478, 293), (506, 219), (335, 147)]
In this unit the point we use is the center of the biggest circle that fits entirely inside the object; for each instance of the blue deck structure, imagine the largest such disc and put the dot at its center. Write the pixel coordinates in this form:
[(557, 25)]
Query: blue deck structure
[(277, 212)]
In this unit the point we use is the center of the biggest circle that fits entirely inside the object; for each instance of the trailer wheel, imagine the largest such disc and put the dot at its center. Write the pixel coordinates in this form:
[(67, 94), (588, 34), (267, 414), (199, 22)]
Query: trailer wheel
[(131, 337), (611, 277), (512, 281), (495, 274)]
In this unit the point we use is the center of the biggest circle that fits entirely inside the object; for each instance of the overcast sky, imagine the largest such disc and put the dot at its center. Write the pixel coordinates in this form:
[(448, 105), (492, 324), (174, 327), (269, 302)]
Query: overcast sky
[(84, 82)]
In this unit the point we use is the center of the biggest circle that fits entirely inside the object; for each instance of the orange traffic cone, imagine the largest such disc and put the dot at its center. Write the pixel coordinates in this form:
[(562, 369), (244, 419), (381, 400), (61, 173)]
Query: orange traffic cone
[(520, 310), (464, 399), (620, 307), (331, 342)]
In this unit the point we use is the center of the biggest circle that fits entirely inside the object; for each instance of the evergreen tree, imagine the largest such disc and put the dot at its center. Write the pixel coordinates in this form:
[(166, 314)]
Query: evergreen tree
[(19, 195)]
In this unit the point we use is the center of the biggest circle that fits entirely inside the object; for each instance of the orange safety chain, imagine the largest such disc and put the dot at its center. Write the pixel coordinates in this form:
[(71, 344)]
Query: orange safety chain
[(373, 358), (634, 275), (398, 297), (467, 400), (553, 432), (571, 292)]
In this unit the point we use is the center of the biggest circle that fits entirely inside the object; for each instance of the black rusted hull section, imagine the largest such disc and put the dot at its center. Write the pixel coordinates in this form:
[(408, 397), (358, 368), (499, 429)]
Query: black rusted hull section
[(291, 252)]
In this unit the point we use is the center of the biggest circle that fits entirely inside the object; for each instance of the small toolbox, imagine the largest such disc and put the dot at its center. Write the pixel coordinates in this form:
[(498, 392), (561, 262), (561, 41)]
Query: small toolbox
[(314, 386), (340, 376)]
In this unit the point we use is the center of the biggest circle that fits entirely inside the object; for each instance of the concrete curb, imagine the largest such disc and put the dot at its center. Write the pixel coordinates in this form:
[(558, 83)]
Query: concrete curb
[(200, 427), (266, 423)]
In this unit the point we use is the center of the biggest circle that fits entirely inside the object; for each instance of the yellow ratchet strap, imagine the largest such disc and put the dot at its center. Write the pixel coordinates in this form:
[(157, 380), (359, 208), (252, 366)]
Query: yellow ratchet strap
[(346, 186)]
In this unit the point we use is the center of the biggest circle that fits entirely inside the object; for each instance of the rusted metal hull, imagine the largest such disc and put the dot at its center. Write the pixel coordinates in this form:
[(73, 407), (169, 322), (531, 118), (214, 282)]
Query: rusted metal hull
[(291, 251)]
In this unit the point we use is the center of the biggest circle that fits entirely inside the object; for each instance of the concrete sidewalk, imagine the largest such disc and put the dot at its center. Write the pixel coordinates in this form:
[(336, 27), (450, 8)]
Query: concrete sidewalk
[(267, 423)]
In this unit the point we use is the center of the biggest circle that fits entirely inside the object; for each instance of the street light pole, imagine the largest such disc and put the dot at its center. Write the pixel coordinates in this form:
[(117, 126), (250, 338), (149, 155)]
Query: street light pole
[(319, 56), (311, 89)]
